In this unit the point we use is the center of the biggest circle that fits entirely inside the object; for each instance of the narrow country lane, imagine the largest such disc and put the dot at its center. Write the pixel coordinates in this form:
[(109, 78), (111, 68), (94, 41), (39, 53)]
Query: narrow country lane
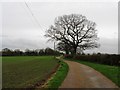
[(82, 76)]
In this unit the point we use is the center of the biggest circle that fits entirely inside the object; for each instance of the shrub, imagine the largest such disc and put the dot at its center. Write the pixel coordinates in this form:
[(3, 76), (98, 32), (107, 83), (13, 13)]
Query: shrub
[(109, 59), (68, 56)]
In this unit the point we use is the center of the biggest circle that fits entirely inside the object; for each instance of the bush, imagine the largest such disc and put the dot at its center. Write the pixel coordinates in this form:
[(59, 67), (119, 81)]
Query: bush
[(107, 59), (68, 56)]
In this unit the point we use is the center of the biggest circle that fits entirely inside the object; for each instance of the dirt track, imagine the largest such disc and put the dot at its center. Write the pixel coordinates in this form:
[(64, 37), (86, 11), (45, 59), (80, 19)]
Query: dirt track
[(82, 76)]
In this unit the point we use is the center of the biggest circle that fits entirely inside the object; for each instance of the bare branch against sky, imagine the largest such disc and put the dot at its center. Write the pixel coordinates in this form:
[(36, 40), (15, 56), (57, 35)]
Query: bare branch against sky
[(20, 29)]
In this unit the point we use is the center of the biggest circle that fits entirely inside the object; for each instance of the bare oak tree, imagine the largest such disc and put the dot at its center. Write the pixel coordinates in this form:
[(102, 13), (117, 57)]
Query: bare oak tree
[(61, 46), (74, 30)]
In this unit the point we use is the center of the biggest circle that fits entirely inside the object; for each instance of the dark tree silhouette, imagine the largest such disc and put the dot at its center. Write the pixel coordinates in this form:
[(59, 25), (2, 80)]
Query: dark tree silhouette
[(6, 52), (62, 46), (28, 52), (17, 52), (41, 52), (74, 30), (49, 51)]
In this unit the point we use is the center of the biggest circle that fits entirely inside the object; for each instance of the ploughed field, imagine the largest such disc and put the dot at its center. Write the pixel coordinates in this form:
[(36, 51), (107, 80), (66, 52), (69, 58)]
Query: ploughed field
[(26, 71)]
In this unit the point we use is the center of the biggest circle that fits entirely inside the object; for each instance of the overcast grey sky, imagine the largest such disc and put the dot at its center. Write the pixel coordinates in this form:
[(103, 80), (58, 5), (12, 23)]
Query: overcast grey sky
[(20, 29)]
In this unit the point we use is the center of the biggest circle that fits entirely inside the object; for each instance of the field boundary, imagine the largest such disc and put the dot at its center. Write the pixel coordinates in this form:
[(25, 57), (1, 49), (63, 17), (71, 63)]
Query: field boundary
[(50, 78), (58, 77), (47, 78)]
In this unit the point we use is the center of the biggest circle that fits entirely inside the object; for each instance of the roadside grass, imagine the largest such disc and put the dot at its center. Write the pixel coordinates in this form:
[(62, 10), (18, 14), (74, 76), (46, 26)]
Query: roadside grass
[(111, 72), (25, 71), (58, 77)]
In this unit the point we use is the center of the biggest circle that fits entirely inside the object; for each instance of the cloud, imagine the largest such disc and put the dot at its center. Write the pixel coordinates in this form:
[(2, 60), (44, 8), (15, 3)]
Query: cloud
[(107, 45), (25, 43), (20, 29)]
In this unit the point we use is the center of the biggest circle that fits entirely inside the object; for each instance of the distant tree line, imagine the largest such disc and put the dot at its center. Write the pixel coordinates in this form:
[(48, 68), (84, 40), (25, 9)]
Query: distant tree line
[(108, 59), (28, 52)]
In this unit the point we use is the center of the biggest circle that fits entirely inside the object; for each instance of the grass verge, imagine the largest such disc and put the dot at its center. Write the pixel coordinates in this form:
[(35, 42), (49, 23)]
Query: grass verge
[(58, 77), (110, 72)]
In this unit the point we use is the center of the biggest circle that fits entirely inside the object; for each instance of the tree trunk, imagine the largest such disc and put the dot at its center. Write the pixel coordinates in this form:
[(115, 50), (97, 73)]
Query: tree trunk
[(75, 50), (67, 52)]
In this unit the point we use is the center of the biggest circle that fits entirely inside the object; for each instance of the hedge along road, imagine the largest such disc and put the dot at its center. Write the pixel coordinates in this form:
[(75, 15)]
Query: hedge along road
[(82, 76)]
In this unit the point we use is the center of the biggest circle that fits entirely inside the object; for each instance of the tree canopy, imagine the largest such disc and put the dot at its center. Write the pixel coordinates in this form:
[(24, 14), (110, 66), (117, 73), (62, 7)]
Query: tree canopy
[(75, 30)]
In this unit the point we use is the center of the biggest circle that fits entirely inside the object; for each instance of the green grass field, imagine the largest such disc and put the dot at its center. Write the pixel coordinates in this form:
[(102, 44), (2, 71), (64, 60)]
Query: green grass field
[(25, 71), (109, 71)]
